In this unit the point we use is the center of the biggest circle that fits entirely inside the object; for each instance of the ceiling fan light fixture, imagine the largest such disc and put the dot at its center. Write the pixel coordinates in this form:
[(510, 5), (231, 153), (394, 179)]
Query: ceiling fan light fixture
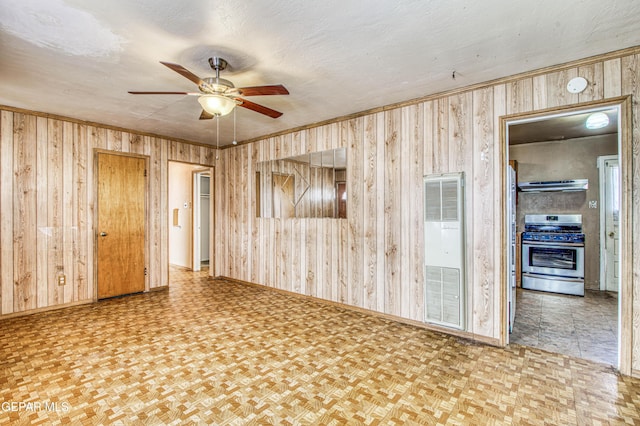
[(597, 120), (217, 105), (218, 96)]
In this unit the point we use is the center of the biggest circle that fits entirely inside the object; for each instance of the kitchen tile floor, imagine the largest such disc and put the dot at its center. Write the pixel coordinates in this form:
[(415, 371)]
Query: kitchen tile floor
[(583, 327)]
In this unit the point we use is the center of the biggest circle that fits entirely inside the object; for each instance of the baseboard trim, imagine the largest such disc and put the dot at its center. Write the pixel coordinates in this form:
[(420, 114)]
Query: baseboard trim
[(46, 309)]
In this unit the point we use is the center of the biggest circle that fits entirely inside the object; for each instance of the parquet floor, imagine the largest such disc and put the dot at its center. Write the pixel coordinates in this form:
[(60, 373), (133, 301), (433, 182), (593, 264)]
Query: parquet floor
[(225, 353)]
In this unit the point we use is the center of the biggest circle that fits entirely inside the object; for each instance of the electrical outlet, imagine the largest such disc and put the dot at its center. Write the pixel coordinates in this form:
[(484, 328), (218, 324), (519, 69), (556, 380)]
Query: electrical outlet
[(62, 279)]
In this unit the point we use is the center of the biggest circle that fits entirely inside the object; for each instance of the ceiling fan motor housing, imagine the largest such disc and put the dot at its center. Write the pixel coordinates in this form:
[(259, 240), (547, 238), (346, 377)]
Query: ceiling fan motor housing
[(215, 85), (218, 63)]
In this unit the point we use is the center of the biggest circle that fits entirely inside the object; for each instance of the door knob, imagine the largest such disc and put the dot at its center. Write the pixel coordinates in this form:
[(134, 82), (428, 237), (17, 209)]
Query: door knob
[(612, 234), (103, 234)]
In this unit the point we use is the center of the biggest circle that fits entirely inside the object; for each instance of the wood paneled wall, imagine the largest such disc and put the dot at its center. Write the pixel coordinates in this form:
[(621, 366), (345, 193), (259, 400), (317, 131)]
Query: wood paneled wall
[(48, 201), (374, 259)]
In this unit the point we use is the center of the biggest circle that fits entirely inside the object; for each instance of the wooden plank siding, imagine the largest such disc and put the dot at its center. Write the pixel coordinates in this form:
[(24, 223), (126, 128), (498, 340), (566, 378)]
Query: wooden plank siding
[(54, 226), (7, 209), (369, 224), (484, 296), (372, 260), (82, 267), (42, 241), (393, 193), (69, 213), (351, 283), (630, 84), (25, 223)]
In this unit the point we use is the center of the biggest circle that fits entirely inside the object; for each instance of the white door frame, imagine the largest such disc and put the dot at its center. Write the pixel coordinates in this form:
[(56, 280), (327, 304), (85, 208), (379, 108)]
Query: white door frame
[(196, 222), (625, 155), (603, 236)]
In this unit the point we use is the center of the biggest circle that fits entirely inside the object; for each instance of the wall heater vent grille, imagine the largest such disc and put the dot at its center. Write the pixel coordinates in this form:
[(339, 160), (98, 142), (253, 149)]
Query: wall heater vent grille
[(444, 250)]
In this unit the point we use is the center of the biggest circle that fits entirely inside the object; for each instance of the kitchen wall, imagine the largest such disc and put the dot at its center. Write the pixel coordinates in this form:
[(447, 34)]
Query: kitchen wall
[(559, 160), (374, 259)]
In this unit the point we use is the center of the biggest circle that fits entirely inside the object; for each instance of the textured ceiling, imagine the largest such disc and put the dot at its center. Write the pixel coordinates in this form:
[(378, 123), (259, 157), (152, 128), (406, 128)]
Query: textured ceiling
[(78, 58)]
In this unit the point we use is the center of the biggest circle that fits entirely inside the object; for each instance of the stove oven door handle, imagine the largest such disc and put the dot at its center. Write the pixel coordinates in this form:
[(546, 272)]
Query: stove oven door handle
[(553, 277), (553, 243)]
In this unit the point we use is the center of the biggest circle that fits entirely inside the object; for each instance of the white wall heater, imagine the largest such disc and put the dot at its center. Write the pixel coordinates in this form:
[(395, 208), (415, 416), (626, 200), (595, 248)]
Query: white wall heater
[(444, 250)]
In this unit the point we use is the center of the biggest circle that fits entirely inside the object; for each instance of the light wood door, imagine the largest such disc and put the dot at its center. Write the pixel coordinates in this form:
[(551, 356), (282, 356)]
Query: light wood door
[(121, 225)]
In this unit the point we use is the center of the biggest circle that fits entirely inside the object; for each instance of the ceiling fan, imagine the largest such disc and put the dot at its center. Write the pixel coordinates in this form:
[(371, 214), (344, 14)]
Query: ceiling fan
[(218, 96)]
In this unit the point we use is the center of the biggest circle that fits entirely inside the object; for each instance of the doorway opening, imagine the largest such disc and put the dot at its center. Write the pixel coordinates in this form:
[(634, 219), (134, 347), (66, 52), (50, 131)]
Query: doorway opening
[(546, 149), (190, 220), (201, 219)]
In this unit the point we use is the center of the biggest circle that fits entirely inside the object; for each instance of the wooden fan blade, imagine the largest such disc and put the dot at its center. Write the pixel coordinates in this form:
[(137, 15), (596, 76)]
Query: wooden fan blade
[(276, 89), (204, 115), (164, 93), (259, 108), (184, 72)]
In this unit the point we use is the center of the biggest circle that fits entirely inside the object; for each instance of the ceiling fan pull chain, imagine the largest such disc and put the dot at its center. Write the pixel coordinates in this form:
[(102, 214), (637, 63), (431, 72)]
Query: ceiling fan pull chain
[(235, 142), (217, 136)]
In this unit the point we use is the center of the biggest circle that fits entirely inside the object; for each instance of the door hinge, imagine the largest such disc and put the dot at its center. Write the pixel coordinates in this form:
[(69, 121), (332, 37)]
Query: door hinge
[(145, 172), (145, 272)]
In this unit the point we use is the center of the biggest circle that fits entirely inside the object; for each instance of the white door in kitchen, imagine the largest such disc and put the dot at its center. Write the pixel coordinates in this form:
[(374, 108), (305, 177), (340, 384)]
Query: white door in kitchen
[(609, 222)]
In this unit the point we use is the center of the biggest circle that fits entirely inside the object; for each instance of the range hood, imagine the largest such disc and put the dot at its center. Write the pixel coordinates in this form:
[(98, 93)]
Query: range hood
[(555, 186)]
